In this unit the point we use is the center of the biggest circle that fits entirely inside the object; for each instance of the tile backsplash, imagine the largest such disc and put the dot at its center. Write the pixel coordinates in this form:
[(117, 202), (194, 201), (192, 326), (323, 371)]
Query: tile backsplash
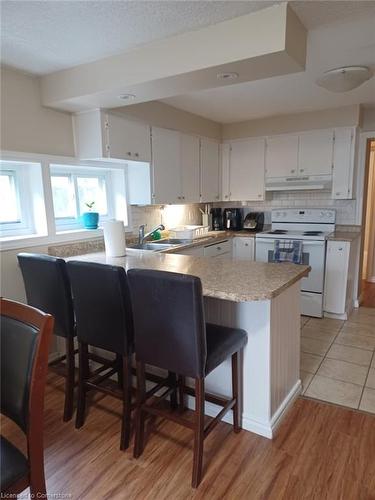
[(174, 215), (345, 209)]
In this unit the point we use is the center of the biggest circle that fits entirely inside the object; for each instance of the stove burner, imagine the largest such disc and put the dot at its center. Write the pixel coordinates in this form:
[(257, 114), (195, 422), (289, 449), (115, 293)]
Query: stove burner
[(312, 233), (278, 231)]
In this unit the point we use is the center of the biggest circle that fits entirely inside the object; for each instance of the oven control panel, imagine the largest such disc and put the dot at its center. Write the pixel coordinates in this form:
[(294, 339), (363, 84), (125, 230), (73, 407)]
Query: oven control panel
[(307, 215)]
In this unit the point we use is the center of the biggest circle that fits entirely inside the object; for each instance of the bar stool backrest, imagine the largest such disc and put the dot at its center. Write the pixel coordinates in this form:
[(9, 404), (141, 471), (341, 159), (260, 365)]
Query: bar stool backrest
[(102, 306), (48, 289), (169, 321)]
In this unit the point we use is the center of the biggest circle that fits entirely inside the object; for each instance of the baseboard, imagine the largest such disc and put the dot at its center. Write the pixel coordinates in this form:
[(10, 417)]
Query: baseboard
[(336, 316), (249, 423)]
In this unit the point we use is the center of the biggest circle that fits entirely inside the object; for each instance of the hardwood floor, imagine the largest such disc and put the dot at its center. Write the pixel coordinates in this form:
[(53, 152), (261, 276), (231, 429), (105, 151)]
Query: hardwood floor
[(321, 452), (368, 294)]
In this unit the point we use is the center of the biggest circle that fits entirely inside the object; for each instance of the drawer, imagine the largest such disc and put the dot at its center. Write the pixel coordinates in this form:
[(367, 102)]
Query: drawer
[(217, 249)]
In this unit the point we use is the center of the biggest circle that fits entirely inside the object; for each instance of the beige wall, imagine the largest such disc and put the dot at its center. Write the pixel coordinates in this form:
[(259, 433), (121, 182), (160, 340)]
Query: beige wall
[(25, 125), (368, 119), (162, 115), (282, 124)]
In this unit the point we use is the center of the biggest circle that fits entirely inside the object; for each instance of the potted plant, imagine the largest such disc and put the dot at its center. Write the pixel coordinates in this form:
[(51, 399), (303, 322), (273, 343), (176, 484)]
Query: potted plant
[(90, 219)]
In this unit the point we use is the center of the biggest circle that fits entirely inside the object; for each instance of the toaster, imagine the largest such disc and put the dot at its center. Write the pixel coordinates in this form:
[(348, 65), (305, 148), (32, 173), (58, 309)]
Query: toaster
[(254, 221)]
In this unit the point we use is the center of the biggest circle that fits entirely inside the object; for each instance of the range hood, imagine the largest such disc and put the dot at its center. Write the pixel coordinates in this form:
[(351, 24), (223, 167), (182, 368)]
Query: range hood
[(299, 183)]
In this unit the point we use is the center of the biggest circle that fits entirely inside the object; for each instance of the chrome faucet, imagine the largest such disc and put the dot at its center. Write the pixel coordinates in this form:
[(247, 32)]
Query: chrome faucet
[(141, 232)]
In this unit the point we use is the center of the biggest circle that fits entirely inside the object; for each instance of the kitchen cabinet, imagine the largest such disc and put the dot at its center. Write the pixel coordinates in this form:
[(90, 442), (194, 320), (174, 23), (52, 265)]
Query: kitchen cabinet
[(210, 170), (189, 166), (175, 164), (243, 248), (225, 168), (343, 163), (107, 136), (196, 251), (246, 178), (315, 152), (222, 249), (282, 156), (166, 166)]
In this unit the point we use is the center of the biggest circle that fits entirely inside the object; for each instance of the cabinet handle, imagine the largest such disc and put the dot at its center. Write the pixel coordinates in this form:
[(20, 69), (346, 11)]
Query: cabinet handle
[(259, 195), (218, 248), (338, 194), (183, 197), (246, 244), (293, 171), (129, 153), (136, 155), (340, 249), (226, 196), (301, 169)]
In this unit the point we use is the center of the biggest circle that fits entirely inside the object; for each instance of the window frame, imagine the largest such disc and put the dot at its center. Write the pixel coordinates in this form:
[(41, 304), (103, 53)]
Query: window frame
[(46, 233), (25, 226)]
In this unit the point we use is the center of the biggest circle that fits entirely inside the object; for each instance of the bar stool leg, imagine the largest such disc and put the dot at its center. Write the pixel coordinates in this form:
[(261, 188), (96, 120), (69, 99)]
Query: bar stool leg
[(83, 373), (199, 432), (69, 379), (127, 399), (140, 414), (181, 393), (235, 384), (172, 381), (120, 371)]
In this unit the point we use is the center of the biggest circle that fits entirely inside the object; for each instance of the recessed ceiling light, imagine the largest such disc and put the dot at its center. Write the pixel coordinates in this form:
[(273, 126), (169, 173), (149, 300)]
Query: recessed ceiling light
[(227, 76), (127, 97), (345, 78)]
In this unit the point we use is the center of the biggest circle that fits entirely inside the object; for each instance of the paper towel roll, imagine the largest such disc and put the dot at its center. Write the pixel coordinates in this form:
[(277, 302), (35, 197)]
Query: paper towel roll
[(114, 238)]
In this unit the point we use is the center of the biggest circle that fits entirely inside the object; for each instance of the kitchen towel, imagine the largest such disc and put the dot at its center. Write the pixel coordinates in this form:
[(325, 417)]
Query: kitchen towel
[(114, 238), (288, 251)]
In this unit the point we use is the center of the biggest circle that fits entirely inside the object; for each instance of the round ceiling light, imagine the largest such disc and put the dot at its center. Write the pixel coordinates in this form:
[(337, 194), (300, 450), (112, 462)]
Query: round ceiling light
[(127, 97), (345, 78), (230, 75)]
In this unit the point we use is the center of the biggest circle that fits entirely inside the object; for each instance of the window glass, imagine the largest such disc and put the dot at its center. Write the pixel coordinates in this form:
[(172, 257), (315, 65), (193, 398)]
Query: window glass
[(63, 193), (92, 189), (10, 212)]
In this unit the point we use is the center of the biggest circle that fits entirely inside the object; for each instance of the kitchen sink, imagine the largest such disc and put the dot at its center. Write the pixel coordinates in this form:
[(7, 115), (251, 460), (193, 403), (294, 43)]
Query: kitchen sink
[(158, 246)]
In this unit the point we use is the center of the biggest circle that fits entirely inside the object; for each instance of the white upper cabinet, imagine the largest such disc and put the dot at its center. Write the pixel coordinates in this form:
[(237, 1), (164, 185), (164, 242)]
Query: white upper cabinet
[(189, 154), (225, 171), (282, 156), (175, 161), (100, 135), (315, 153), (343, 163), (166, 166), (127, 139), (210, 171), (247, 170)]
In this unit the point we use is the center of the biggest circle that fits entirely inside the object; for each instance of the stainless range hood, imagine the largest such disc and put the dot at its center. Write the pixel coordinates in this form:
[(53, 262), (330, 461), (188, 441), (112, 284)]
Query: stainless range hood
[(299, 183)]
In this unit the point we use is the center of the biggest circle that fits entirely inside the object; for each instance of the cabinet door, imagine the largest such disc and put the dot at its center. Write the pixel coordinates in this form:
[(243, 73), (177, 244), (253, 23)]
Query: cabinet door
[(336, 276), (129, 140), (343, 163), (225, 169), (189, 165), (166, 166), (282, 156), (243, 248), (209, 170), (247, 170), (315, 153)]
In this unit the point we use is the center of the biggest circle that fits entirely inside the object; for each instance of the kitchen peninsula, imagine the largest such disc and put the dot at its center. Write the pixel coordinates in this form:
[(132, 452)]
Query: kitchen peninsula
[(261, 298)]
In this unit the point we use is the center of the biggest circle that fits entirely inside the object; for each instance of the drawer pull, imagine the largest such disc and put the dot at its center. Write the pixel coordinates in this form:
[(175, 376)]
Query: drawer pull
[(218, 248)]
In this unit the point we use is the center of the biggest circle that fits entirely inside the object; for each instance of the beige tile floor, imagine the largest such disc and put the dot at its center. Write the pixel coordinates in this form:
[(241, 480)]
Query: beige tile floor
[(338, 359)]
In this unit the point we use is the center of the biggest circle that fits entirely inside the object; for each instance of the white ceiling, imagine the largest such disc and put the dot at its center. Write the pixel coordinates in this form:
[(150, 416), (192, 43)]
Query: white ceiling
[(45, 36), (329, 46)]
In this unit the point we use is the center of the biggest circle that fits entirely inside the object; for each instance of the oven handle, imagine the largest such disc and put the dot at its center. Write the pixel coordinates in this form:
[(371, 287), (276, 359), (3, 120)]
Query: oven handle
[(305, 242)]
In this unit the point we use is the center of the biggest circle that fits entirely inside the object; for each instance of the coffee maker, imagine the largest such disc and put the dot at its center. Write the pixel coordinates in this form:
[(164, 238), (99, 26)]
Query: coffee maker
[(232, 219), (217, 219)]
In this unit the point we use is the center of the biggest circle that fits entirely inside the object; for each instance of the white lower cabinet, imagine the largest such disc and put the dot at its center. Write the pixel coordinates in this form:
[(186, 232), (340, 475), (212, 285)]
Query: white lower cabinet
[(337, 284), (222, 249), (243, 248)]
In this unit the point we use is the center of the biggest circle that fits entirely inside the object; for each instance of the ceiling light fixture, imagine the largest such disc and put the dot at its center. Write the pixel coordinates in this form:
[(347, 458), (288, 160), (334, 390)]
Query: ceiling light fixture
[(127, 97), (345, 78), (227, 76)]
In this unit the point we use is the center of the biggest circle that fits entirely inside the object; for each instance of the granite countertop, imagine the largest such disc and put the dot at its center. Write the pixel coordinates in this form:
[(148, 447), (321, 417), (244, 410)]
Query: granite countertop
[(235, 281), (344, 236)]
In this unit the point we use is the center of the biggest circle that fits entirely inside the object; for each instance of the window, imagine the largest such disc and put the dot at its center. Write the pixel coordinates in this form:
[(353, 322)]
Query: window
[(74, 188), (16, 209)]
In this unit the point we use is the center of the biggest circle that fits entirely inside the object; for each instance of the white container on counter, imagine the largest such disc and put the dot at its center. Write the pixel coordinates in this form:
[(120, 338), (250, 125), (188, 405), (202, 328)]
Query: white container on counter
[(114, 238)]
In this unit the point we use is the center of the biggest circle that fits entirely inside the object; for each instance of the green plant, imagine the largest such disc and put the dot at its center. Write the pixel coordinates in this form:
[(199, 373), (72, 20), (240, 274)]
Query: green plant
[(90, 205)]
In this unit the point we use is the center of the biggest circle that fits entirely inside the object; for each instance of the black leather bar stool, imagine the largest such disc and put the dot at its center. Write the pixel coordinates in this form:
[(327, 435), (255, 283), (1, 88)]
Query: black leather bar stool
[(47, 287), (104, 320), (171, 333)]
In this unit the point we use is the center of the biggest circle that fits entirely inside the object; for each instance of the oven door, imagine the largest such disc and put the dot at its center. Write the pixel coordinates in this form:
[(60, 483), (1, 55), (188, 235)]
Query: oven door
[(313, 255)]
